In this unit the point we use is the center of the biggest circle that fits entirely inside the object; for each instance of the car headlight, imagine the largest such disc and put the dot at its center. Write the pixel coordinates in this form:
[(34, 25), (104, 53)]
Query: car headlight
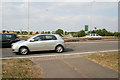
[(14, 45)]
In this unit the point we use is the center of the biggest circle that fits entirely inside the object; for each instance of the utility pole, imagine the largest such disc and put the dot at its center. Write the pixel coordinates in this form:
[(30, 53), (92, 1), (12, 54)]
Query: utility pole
[(28, 16), (91, 17)]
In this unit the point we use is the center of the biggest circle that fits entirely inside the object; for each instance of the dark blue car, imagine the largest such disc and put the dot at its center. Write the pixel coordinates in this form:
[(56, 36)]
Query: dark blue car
[(7, 39)]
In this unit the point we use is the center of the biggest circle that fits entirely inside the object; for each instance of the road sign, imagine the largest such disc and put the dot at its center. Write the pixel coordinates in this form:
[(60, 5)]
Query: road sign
[(86, 27)]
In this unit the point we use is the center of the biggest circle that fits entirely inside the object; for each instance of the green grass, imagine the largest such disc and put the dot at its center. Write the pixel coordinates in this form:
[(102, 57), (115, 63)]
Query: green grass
[(20, 68), (108, 59)]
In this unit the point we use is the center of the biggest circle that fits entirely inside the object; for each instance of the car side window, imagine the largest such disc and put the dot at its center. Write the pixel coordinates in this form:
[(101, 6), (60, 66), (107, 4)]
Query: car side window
[(93, 34), (39, 38), (9, 36), (50, 37), (97, 35)]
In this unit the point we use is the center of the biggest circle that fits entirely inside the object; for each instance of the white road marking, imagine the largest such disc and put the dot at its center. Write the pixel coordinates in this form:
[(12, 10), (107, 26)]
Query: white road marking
[(94, 42), (55, 55)]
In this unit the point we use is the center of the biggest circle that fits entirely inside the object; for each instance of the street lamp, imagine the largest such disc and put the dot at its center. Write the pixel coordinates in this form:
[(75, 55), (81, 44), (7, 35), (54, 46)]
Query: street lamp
[(28, 16)]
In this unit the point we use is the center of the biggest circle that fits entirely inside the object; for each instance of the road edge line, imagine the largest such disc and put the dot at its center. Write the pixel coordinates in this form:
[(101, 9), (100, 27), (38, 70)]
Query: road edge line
[(81, 53)]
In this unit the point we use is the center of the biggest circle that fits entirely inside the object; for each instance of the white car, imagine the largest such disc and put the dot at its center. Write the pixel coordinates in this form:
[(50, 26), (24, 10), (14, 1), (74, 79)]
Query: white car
[(40, 42), (93, 36)]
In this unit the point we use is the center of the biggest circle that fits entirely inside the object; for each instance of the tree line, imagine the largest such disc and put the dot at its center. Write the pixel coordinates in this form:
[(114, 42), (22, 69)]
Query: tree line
[(104, 32), (81, 33)]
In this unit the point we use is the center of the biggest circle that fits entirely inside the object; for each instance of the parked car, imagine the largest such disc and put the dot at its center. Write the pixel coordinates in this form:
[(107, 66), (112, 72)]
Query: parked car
[(40, 42), (93, 36), (7, 39)]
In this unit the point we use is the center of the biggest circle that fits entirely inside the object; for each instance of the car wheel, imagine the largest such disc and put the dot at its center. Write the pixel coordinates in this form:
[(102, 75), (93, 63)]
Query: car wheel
[(59, 49), (23, 50)]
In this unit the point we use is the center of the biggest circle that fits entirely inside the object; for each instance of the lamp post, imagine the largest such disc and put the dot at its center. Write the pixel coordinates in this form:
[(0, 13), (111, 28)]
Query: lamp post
[(28, 16), (91, 16)]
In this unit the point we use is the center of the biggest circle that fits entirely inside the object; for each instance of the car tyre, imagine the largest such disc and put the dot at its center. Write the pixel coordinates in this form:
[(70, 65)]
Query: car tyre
[(23, 51), (59, 49)]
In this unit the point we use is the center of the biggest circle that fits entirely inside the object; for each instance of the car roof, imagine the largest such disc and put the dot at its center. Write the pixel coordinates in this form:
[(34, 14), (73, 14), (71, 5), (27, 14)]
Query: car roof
[(46, 34)]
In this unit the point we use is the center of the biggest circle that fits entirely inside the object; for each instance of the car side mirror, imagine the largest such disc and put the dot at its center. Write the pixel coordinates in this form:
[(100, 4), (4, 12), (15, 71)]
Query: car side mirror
[(32, 40)]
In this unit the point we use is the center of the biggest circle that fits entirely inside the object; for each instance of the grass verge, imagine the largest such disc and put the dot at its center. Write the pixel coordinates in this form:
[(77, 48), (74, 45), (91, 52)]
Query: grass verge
[(20, 68), (108, 59)]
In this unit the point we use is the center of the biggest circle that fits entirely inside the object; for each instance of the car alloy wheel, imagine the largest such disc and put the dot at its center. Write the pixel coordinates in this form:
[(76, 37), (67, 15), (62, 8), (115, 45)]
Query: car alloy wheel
[(23, 50), (59, 49)]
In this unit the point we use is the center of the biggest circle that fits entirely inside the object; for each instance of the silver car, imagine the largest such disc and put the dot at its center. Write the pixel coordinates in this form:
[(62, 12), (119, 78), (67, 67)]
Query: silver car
[(40, 42)]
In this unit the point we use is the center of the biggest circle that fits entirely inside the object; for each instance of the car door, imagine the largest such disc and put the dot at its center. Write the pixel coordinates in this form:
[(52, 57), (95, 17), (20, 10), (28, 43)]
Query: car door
[(5, 41), (49, 42), (37, 44)]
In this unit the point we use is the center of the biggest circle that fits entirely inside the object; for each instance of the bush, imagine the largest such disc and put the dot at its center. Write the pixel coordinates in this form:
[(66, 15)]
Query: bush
[(117, 34), (79, 34), (37, 33), (102, 32)]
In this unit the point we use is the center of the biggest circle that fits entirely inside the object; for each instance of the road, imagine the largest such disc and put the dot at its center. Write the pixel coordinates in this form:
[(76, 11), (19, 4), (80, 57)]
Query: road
[(71, 47), (72, 67)]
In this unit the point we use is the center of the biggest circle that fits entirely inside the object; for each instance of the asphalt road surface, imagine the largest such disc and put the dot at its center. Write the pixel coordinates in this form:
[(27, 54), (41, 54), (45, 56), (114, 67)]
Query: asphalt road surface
[(72, 66), (71, 47)]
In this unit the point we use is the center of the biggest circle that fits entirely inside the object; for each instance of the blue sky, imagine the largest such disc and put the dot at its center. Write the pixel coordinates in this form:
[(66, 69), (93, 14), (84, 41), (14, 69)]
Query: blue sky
[(69, 16)]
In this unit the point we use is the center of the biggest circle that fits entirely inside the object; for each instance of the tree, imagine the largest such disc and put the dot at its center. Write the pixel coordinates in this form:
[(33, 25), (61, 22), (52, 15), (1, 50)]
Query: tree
[(104, 32), (7, 31), (31, 33), (42, 32), (66, 33), (79, 33), (89, 31), (93, 31), (59, 31), (22, 32), (117, 34), (3, 31), (37, 32), (48, 32), (99, 32), (95, 28), (18, 32)]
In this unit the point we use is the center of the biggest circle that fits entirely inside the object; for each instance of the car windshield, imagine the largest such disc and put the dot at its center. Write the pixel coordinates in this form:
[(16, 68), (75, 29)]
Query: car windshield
[(30, 38)]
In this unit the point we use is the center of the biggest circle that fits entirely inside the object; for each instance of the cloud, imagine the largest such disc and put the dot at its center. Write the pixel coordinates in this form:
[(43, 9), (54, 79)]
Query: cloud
[(51, 16), (61, 0)]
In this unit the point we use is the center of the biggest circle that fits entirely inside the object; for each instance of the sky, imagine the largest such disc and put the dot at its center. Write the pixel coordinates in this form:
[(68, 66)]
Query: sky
[(50, 16)]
